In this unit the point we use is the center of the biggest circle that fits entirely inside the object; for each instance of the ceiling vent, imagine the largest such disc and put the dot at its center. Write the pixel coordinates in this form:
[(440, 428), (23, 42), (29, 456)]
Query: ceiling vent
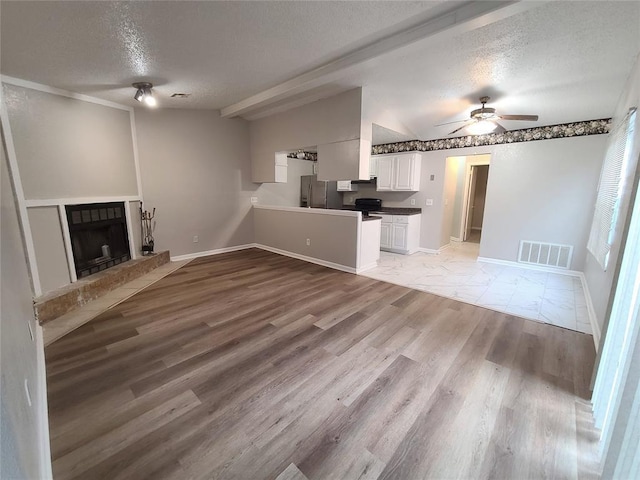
[(181, 95)]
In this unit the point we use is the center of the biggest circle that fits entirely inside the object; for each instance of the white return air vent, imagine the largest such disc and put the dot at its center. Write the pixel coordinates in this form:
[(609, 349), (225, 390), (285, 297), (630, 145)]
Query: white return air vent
[(545, 254)]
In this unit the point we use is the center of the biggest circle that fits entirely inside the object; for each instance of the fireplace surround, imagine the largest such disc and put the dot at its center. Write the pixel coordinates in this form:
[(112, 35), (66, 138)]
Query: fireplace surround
[(99, 238)]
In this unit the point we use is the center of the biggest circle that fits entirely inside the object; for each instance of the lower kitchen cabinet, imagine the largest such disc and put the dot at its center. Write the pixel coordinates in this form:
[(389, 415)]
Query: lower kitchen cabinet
[(400, 233)]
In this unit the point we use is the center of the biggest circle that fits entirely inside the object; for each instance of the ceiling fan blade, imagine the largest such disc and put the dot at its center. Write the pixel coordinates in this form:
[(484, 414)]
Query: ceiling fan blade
[(467, 123), (532, 118), (499, 128), (451, 123)]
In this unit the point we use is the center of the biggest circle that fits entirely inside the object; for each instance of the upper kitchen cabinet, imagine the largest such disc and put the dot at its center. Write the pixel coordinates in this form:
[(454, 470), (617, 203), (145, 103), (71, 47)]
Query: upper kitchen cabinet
[(344, 160), (399, 172)]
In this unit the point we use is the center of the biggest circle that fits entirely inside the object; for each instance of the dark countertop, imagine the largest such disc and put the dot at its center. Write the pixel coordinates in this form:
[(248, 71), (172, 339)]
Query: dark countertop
[(370, 217), (400, 211)]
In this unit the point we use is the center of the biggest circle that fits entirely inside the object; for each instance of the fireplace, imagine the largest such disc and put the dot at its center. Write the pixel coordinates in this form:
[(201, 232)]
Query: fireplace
[(99, 238)]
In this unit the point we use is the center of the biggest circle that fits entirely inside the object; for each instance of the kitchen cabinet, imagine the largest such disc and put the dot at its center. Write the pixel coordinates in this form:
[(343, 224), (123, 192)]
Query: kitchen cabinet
[(347, 186), (400, 233), (373, 166), (399, 172)]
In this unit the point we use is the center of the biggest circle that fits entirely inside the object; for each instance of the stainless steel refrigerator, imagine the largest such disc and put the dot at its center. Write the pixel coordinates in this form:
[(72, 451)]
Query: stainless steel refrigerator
[(318, 194)]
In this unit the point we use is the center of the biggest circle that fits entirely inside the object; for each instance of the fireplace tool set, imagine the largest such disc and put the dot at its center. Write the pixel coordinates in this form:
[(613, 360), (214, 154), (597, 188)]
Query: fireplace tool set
[(147, 230)]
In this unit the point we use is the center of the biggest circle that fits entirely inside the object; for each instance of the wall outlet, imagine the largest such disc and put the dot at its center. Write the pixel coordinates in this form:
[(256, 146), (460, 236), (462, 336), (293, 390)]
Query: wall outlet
[(254, 200), (352, 199), (429, 202), (308, 242), (413, 201), (195, 239)]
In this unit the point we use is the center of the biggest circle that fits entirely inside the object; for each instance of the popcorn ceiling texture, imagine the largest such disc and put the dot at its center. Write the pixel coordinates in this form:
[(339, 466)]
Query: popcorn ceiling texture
[(590, 127)]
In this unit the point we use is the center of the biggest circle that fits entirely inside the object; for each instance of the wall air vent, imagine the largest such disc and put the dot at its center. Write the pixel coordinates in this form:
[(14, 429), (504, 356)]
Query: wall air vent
[(181, 95), (545, 254)]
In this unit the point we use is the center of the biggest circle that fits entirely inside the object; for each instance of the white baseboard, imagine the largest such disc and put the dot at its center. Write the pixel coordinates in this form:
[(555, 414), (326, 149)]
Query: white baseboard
[(367, 267), (538, 268), (444, 247), (305, 258), (455, 239), (593, 319), (46, 471), (217, 251)]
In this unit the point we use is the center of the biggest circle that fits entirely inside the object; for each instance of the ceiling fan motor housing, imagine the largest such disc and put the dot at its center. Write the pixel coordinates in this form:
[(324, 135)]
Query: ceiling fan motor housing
[(483, 113)]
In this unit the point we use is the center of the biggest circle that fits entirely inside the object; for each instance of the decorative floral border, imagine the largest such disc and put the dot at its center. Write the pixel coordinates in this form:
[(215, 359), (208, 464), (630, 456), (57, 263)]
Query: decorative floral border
[(312, 156), (563, 130)]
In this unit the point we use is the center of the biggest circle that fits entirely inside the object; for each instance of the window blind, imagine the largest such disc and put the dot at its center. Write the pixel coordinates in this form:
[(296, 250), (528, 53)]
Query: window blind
[(610, 190)]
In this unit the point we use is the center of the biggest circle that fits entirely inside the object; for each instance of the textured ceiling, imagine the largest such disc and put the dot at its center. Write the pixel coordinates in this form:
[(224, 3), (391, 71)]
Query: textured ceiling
[(220, 52), (564, 61)]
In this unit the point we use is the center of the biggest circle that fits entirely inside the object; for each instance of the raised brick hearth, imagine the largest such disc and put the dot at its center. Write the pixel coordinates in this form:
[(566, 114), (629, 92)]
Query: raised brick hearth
[(63, 300)]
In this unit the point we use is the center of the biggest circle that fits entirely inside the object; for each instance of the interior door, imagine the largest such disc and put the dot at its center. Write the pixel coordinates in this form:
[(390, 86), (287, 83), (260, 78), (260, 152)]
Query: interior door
[(473, 176)]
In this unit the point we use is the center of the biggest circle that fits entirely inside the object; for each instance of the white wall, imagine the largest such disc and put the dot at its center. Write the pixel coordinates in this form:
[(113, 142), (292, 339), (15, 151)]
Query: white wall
[(51, 256), (23, 428), (330, 120), (285, 194), (333, 238), (542, 190), (68, 147), (69, 150), (196, 173), (598, 281)]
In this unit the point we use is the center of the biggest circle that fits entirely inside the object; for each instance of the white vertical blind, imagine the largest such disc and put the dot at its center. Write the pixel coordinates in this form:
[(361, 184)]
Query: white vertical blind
[(610, 188)]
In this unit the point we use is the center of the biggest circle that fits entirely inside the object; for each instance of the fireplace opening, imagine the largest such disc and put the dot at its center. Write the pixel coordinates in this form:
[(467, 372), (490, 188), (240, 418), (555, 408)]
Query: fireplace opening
[(99, 238)]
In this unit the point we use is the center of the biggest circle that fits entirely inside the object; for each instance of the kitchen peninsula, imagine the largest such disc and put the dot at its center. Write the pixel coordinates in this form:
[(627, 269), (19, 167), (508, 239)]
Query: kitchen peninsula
[(338, 239)]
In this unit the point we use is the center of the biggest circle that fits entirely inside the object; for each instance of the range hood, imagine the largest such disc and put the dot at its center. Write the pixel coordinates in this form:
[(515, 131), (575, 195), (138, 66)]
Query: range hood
[(371, 181)]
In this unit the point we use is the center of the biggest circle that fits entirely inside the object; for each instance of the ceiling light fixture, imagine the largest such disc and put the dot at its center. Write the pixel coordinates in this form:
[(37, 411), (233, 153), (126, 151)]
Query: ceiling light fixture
[(482, 127), (144, 93)]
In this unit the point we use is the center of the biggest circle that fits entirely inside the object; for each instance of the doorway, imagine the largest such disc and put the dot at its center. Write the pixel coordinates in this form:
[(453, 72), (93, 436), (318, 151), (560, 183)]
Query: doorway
[(473, 214)]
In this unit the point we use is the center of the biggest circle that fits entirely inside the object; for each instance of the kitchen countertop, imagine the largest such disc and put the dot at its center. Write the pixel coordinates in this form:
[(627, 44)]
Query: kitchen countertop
[(370, 217), (400, 211)]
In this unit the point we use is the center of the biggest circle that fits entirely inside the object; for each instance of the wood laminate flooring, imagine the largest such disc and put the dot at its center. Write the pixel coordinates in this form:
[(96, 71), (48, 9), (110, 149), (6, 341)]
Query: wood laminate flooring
[(251, 365)]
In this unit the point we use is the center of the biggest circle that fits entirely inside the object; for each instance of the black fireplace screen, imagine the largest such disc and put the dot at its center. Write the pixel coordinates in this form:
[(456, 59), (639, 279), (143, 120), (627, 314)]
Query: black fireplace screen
[(99, 237)]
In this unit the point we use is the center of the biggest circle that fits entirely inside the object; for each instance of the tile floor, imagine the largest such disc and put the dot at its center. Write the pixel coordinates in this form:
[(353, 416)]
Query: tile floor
[(548, 297)]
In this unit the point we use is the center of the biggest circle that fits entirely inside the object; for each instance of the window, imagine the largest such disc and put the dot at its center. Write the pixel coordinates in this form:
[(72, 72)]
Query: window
[(613, 177)]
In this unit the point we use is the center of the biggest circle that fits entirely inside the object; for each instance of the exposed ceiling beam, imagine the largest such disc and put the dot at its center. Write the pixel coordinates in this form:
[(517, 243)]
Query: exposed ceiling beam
[(464, 18)]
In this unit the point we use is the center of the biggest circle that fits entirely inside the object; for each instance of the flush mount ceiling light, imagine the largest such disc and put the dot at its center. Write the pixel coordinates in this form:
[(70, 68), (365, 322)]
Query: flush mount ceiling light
[(144, 93)]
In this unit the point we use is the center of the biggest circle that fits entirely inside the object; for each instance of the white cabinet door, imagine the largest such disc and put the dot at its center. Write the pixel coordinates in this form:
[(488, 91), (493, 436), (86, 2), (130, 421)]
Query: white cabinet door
[(385, 235), (373, 166), (399, 236), (385, 173), (404, 167)]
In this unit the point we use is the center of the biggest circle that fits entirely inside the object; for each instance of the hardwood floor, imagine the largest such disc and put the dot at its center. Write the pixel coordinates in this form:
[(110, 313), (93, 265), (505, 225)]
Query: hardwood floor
[(252, 365)]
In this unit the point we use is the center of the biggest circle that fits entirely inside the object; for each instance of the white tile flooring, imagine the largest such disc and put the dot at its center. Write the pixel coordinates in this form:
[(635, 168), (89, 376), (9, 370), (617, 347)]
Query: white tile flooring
[(455, 273)]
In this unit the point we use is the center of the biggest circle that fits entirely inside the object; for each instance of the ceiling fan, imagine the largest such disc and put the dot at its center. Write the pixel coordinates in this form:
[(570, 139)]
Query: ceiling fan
[(485, 120)]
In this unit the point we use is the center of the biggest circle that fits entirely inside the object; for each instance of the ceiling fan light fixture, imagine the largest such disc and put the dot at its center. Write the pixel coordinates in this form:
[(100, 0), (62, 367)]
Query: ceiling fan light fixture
[(482, 127), (144, 94)]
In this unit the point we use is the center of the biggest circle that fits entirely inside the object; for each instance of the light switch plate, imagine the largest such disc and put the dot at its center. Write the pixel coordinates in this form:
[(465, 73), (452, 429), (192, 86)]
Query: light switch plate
[(413, 201), (429, 202), (254, 200)]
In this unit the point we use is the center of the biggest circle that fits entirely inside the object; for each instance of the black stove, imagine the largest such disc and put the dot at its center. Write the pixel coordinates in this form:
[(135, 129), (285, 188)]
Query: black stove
[(366, 205)]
